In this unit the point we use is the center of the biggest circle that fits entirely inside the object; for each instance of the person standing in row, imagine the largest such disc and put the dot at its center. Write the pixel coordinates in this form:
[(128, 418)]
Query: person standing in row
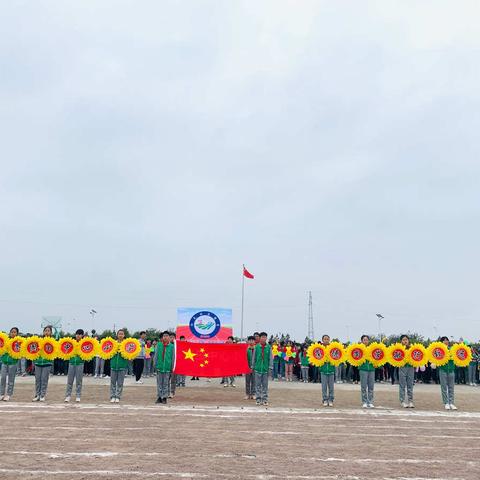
[(406, 378), (172, 384), (42, 371), (262, 363), (229, 381), (304, 364), (8, 371), (118, 369), (249, 377), (367, 378), (181, 378), (139, 361), (327, 377), (164, 363), (75, 372), (447, 380)]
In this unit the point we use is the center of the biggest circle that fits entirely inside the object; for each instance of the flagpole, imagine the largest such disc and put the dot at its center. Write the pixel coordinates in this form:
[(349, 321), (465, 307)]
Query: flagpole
[(243, 297)]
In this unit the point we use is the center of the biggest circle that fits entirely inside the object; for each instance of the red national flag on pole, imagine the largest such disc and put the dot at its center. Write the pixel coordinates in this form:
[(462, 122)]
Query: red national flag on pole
[(211, 359), (247, 274)]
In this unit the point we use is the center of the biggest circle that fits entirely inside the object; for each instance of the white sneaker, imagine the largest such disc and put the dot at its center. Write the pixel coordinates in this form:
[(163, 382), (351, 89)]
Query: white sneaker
[(233, 385), (325, 404), (404, 405), (411, 405), (371, 405), (42, 399), (117, 400), (35, 399), (447, 406), (67, 399), (6, 398), (77, 399), (95, 376), (139, 381), (330, 404), (453, 407), (225, 385), (112, 400), (365, 405)]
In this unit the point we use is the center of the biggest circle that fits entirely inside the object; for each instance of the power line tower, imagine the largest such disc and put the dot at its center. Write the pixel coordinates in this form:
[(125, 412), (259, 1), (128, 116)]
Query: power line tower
[(311, 334)]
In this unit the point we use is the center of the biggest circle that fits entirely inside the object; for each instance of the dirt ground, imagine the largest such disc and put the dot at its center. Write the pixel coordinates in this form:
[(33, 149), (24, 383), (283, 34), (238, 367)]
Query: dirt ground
[(211, 432)]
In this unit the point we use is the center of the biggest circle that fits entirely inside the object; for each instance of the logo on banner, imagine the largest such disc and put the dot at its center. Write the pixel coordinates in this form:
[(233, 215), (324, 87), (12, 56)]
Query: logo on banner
[(204, 325)]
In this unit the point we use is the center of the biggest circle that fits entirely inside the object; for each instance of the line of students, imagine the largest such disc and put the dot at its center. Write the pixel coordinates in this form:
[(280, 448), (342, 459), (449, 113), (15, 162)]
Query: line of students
[(260, 360)]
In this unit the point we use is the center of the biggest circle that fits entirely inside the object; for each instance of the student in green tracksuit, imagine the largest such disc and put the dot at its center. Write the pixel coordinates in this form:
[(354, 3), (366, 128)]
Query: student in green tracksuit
[(42, 371), (75, 372), (249, 377), (8, 371), (406, 378), (304, 364), (262, 362), (367, 378), (446, 374), (164, 364), (118, 368), (327, 376)]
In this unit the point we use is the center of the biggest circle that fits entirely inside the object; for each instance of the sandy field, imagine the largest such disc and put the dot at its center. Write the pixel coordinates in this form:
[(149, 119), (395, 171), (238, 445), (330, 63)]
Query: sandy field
[(212, 432)]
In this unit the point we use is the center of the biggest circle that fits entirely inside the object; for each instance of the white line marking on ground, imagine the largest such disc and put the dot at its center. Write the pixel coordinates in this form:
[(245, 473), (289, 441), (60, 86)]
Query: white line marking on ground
[(359, 434), (133, 473), (378, 412)]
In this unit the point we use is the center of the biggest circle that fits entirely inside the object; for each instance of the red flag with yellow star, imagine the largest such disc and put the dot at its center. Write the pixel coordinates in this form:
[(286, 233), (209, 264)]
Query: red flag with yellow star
[(211, 359)]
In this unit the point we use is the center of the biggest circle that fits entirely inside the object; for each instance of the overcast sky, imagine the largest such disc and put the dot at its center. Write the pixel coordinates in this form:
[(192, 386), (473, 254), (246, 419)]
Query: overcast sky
[(148, 149)]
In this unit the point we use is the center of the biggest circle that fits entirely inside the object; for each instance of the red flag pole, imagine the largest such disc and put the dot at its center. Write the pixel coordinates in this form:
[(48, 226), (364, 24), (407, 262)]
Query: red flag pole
[(243, 298)]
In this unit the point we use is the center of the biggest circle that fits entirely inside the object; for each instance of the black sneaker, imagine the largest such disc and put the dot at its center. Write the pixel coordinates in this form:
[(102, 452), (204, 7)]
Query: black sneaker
[(164, 400), (159, 400)]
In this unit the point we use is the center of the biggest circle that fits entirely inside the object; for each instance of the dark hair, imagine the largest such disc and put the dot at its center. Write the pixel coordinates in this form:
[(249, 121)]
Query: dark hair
[(230, 338), (121, 330), (256, 333), (14, 328), (173, 334), (363, 336), (48, 326), (165, 332), (182, 336), (263, 334), (79, 332), (325, 335), (442, 339), (251, 337), (405, 336), (143, 332)]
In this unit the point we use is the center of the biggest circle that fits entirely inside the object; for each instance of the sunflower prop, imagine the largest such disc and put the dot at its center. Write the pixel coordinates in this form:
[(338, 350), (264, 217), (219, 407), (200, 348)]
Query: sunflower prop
[(417, 355), (30, 348), (3, 342), (108, 348), (461, 354), (14, 347), (438, 353), (397, 355), (67, 348), (87, 348), (336, 354), (129, 348), (275, 350), (48, 348), (316, 354), (377, 354), (288, 353), (356, 354)]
